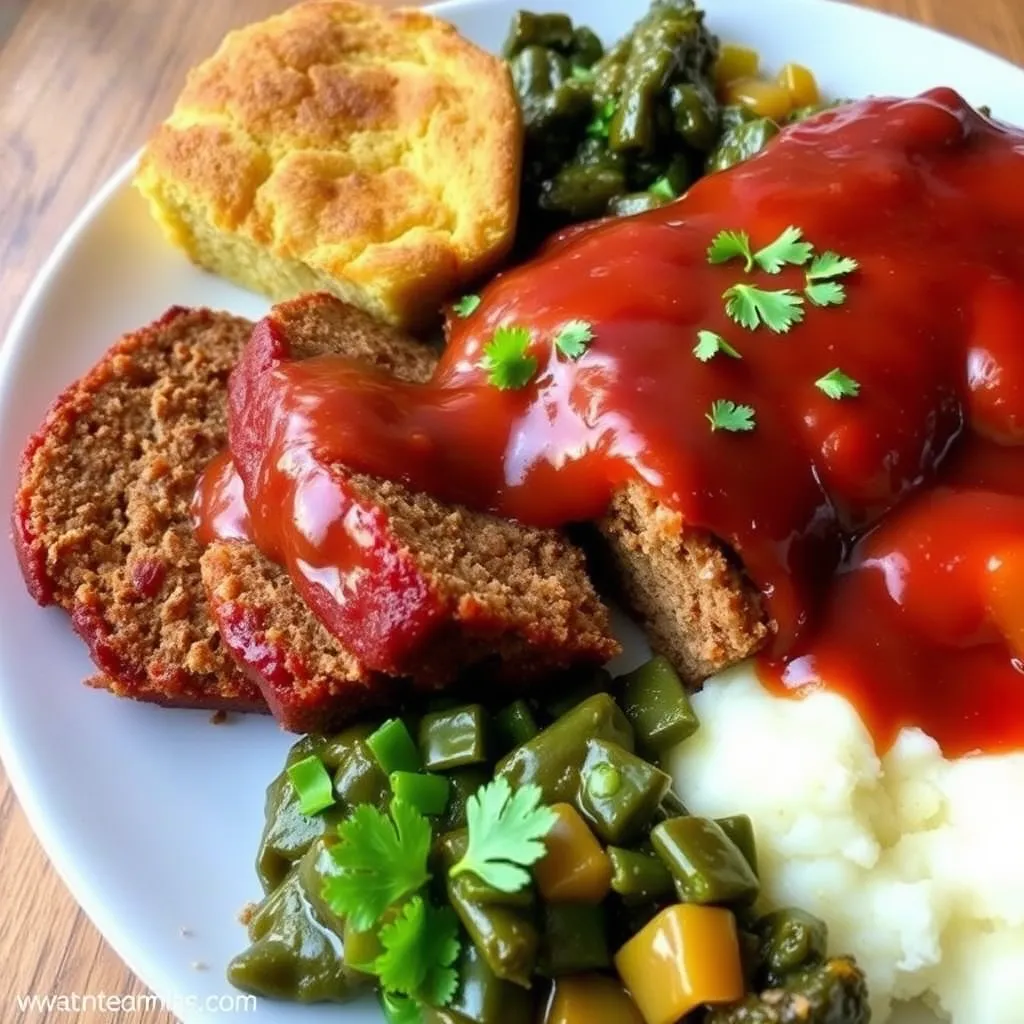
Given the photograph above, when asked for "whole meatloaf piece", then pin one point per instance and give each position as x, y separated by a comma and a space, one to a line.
516, 598
101, 517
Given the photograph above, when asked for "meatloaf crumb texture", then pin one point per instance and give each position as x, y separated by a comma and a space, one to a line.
101, 514
518, 594
700, 610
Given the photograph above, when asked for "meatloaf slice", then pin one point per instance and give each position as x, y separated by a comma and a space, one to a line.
700, 610
101, 515
517, 595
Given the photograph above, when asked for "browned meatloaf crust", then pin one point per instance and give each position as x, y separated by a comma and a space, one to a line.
700, 610
101, 515
518, 594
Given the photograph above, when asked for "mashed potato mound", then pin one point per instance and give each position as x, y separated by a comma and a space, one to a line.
915, 862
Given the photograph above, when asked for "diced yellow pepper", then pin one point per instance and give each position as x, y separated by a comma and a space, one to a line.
590, 999
686, 956
801, 85
575, 869
735, 62
766, 99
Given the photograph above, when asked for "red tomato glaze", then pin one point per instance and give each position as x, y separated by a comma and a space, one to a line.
886, 531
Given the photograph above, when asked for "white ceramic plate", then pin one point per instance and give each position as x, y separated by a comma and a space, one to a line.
152, 817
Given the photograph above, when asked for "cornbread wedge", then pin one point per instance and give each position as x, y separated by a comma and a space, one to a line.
342, 147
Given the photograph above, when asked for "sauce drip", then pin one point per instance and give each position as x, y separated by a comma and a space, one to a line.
885, 531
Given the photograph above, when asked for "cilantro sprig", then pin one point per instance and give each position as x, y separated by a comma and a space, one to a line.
466, 306
709, 344
507, 359
751, 306
420, 946
574, 338
838, 385
787, 250
506, 832
727, 415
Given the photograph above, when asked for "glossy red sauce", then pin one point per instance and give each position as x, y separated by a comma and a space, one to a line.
914, 623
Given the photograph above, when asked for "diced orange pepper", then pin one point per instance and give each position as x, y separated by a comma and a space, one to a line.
686, 956
801, 85
1006, 598
590, 999
766, 99
575, 869
735, 62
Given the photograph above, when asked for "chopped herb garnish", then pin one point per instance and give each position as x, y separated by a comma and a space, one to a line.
420, 946
506, 833
709, 344
830, 264
663, 189
598, 128
312, 785
825, 293
786, 250
506, 359
380, 860
726, 415
582, 73
400, 1009
574, 338
730, 245
837, 385
750, 306
466, 306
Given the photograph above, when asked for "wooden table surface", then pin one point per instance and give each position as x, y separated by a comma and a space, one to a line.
81, 82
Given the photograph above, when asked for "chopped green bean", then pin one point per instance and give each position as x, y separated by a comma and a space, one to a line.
791, 939
393, 747
515, 725
454, 738
574, 939
312, 784
657, 705
638, 876
623, 815
464, 784
708, 867
740, 829
595, 682
427, 793
482, 997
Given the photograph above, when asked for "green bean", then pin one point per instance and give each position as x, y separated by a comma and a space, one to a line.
599, 681
634, 202
830, 993
293, 954
550, 30
361, 948
514, 725
619, 814
741, 143
426, 792
655, 701
740, 829
733, 116
393, 747
464, 783
707, 865
454, 738
484, 998
504, 935
553, 758
790, 939
358, 778
574, 939
586, 47
314, 868
694, 114
638, 876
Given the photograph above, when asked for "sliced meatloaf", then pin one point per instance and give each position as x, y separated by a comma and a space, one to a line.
517, 595
101, 515
700, 610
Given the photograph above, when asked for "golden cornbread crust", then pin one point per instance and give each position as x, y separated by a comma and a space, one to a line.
339, 146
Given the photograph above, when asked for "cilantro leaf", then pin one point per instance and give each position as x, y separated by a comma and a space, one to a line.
750, 306
787, 249
420, 945
466, 306
663, 189
574, 338
837, 385
507, 360
709, 344
730, 245
726, 415
830, 264
400, 1009
598, 128
506, 830
825, 293
379, 861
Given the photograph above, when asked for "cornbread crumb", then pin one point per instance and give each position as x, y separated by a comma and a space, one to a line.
344, 147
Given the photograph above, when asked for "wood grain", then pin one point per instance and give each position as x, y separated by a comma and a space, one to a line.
81, 82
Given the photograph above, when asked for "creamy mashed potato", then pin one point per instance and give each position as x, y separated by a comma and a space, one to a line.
915, 862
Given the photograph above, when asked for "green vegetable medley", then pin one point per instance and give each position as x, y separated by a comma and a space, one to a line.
500, 866
623, 130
